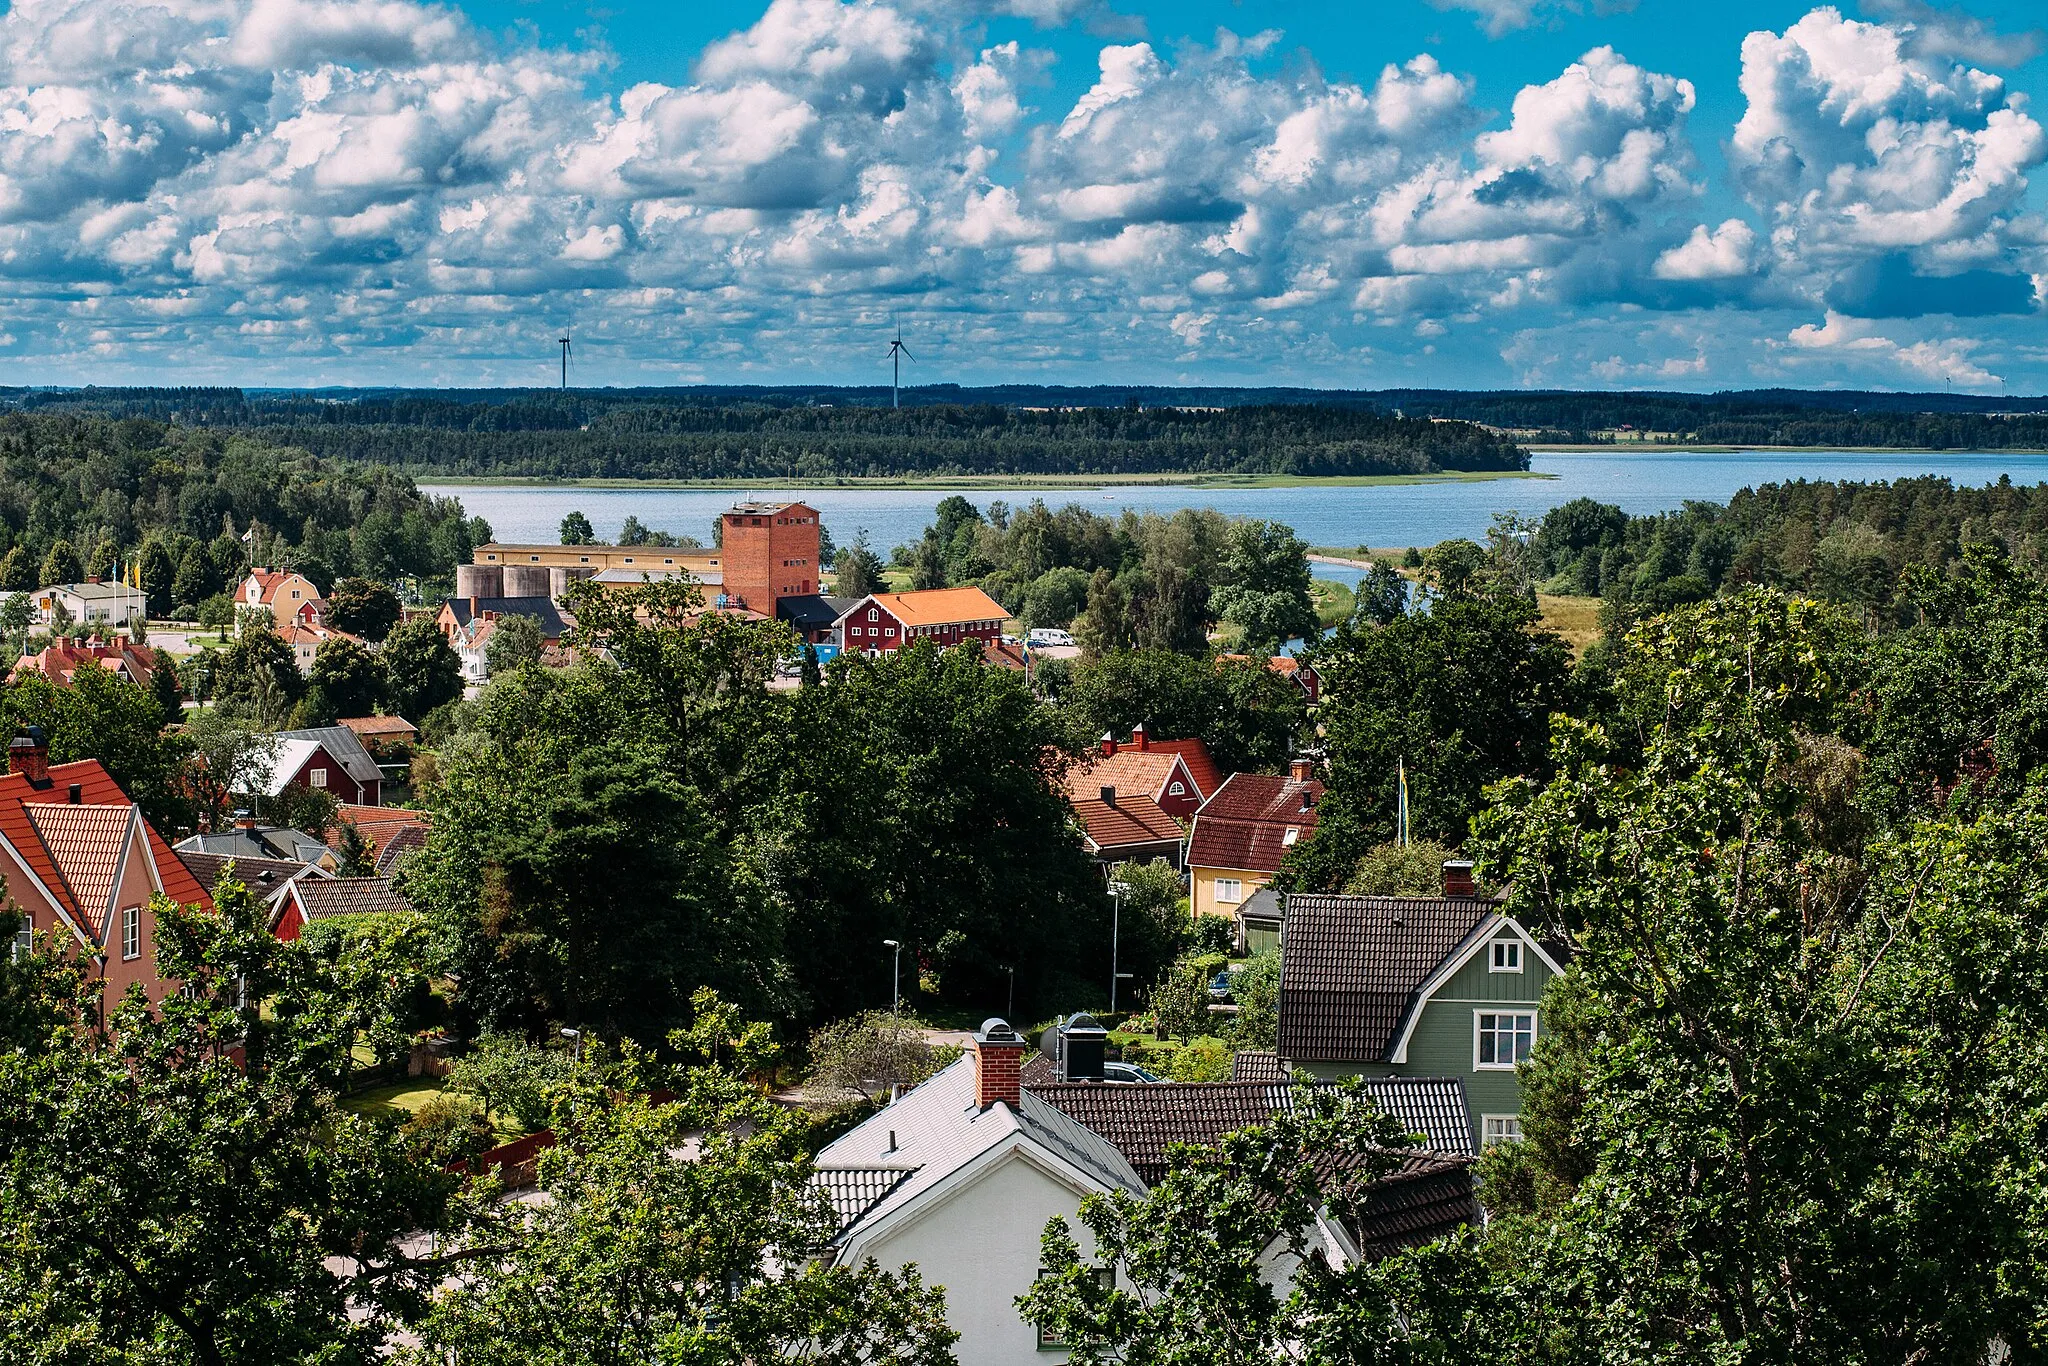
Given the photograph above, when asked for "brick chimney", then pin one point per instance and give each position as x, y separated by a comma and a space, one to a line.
998, 1064
29, 756
1301, 769
1108, 744
1458, 878
1139, 739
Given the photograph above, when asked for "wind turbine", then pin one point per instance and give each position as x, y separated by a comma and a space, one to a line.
563, 342
897, 351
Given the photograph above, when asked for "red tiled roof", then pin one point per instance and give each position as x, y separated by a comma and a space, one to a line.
96, 788
1201, 766
1133, 820
1245, 824
61, 659
378, 726
380, 826
86, 843
1129, 771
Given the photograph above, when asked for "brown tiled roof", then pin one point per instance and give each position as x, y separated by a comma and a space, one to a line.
379, 727
1257, 1066
1245, 824
405, 841
382, 827
261, 875
1426, 1198
1351, 967
1145, 1121
1127, 770
1133, 820
321, 898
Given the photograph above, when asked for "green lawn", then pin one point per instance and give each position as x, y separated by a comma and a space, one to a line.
400, 1098
1333, 601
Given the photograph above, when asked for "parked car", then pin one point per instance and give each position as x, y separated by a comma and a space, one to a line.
1046, 635
1127, 1074
1219, 987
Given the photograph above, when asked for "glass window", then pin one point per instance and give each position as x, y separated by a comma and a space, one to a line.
1507, 955
1500, 1129
319, 777
1293, 834
24, 943
1504, 1038
1229, 890
131, 932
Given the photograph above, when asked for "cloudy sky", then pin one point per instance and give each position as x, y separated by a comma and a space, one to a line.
1366, 193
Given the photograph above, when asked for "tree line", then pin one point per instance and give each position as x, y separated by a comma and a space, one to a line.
190, 509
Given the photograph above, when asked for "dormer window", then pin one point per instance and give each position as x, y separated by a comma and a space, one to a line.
1293, 834
1507, 955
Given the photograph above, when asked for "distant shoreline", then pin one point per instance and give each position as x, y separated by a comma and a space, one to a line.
1668, 448
994, 483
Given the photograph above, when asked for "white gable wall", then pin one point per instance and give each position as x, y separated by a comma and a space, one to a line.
979, 1239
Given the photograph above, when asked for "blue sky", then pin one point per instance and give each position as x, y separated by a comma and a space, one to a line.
1469, 193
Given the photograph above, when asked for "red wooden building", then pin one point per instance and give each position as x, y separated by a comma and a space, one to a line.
883, 622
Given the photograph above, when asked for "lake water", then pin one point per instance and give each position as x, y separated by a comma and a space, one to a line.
1387, 515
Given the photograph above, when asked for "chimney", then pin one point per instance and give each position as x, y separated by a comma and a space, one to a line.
1108, 795
244, 821
1082, 1042
74, 792
998, 1064
1301, 769
1108, 744
1458, 878
1139, 738
472, 607
30, 757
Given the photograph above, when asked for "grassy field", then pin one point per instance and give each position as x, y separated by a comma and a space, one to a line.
997, 483
1333, 601
402, 1099
1576, 619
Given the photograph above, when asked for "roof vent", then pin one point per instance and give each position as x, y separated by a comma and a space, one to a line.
74, 792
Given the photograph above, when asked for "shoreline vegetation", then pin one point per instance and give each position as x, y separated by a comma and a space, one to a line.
992, 483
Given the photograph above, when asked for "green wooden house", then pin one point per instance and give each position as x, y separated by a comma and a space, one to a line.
1444, 986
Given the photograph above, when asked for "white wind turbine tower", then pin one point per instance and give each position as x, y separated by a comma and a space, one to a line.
897, 351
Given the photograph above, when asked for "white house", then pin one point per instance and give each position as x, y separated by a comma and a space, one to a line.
105, 606
960, 1177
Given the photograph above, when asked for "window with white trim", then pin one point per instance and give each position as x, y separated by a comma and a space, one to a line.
1507, 955
24, 944
319, 777
1501, 1038
1229, 890
131, 932
1499, 1129
1293, 833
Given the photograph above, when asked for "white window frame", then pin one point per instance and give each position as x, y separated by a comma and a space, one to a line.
318, 777
1499, 1129
1293, 833
1236, 893
22, 943
1505, 956
1535, 1032
131, 933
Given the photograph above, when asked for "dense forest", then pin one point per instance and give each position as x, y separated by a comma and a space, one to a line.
822, 430
1842, 542
193, 507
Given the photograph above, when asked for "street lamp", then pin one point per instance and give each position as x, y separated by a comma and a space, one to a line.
895, 977
575, 1038
1116, 919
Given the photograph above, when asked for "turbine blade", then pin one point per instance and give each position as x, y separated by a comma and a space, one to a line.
906, 351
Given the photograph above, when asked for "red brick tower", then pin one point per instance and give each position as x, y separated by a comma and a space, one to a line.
770, 552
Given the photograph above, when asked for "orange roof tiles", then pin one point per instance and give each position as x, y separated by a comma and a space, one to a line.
1133, 820
86, 843
1129, 771
941, 606
96, 788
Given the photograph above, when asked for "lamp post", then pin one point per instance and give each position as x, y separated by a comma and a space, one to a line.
1116, 922
575, 1038
895, 977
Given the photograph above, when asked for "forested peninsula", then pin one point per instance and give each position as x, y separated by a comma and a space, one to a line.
681, 435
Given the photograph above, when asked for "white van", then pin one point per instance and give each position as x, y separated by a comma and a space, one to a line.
1046, 635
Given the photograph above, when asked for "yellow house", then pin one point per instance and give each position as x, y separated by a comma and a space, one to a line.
290, 597
1244, 830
